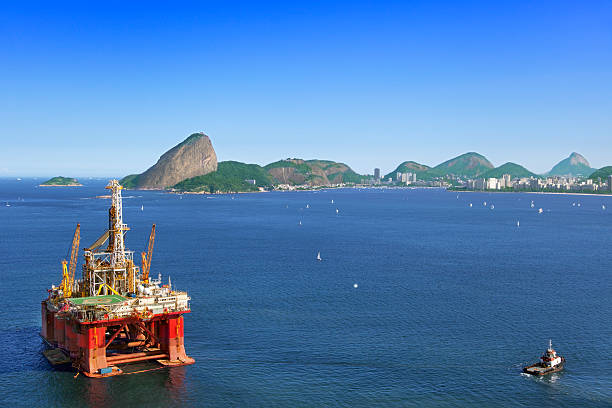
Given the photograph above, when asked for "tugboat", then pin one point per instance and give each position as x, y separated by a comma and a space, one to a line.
551, 363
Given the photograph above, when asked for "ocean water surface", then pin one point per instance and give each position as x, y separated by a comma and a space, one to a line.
451, 300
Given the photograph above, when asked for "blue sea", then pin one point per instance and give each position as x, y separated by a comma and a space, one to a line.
419, 301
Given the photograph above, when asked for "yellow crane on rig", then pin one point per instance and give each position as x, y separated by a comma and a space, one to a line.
146, 257
68, 271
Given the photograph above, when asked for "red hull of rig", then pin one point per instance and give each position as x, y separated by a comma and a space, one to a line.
91, 345
114, 315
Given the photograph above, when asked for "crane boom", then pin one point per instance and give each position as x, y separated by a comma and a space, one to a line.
68, 271
146, 257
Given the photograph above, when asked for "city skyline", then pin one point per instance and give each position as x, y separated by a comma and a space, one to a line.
91, 90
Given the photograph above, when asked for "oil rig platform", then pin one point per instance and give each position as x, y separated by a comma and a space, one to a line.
115, 314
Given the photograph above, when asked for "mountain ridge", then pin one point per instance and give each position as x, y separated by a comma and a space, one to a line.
601, 173
314, 172
409, 166
574, 165
470, 164
513, 169
195, 157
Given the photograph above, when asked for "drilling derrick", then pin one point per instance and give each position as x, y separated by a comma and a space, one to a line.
111, 271
115, 315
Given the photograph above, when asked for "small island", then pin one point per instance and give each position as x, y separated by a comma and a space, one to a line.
61, 182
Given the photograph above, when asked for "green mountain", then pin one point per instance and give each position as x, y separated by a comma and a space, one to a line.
602, 173
230, 177
409, 167
469, 164
574, 165
513, 169
61, 181
130, 181
311, 172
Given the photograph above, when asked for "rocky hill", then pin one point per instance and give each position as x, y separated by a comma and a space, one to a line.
469, 165
193, 157
311, 172
574, 165
513, 169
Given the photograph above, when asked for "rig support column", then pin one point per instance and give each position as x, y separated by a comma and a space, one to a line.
48, 323
171, 333
92, 341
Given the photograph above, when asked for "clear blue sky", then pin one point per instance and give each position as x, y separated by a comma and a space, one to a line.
105, 89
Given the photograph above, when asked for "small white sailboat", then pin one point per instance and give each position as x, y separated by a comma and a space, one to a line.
540, 211
319, 256
573, 204
532, 204
337, 211
578, 204
7, 204
470, 205
518, 223
492, 206
484, 203
332, 201
307, 205
142, 208
300, 223
603, 207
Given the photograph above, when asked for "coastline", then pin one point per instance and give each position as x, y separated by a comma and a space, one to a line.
532, 192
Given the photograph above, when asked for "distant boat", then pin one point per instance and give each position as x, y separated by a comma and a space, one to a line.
578, 204
300, 223
603, 207
518, 223
18, 179
470, 204
142, 208
332, 201
492, 207
484, 203
532, 204
550, 362
319, 256
540, 211
337, 211
573, 204
307, 205
7, 204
